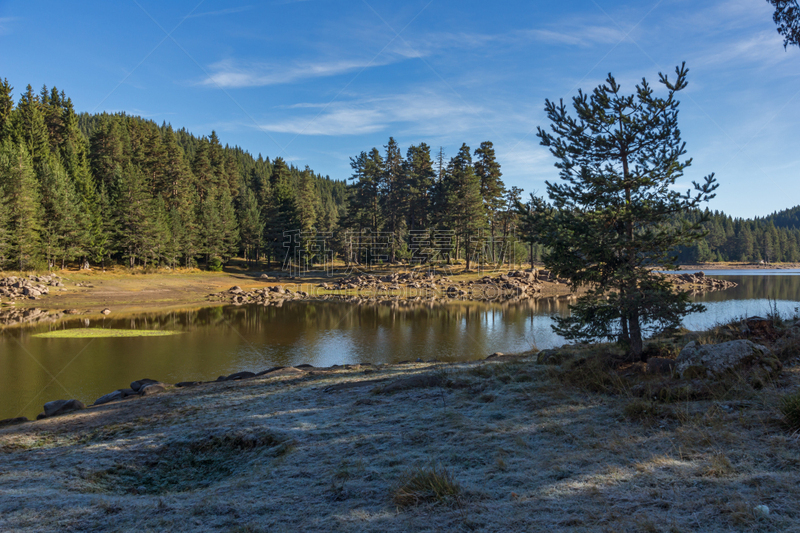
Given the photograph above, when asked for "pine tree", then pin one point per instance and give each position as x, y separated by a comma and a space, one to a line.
251, 224
611, 218
18, 183
62, 232
464, 205
30, 127
6, 111
394, 196
420, 177
228, 233
5, 234
492, 188
133, 213
787, 17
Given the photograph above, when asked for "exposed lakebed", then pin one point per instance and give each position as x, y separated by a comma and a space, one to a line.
222, 340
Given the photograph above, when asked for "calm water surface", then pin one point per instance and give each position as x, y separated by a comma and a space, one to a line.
222, 340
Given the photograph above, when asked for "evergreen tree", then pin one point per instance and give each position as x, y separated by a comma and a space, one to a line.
30, 127
251, 224
420, 177
492, 188
394, 196
134, 215
787, 17
465, 213
6, 110
610, 221
18, 183
63, 234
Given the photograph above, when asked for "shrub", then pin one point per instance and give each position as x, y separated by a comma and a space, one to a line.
426, 485
215, 264
790, 408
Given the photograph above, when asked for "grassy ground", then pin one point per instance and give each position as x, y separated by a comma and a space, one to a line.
501, 445
101, 333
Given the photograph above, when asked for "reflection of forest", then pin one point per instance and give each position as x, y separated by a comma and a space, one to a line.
222, 340
323, 315
756, 287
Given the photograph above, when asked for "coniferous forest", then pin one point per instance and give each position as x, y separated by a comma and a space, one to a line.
117, 189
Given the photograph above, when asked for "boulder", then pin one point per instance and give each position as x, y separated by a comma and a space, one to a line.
138, 384
106, 311
187, 384
155, 388
110, 397
660, 365
12, 421
706, 360
237, 375
270, 370
61, 407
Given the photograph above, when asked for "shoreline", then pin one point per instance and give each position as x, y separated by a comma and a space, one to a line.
87, 294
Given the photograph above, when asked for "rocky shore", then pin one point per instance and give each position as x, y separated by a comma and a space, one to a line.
516, 285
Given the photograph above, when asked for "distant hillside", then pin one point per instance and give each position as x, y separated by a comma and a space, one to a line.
788, 218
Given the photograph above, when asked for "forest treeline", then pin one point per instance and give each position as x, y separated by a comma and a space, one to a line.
117, 188
113, 188
772, 239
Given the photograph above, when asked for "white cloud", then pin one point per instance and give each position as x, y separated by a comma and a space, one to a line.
428, 112
586, 36
763, 48
5, 23
229, 11
230, 73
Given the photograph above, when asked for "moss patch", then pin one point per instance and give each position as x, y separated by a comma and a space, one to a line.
98, 333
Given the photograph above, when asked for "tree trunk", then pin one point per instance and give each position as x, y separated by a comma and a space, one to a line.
636, 337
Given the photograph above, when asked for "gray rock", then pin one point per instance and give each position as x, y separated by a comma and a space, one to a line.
138, 384
61, 407
110, 397
106, 311
155, 388
238, 375
12, 421
701, 360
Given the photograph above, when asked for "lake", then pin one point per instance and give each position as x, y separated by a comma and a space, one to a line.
223, 340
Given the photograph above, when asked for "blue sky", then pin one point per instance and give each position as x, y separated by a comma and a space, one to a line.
318, 81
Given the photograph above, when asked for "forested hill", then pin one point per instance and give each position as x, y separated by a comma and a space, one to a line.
121, 189
772, 239
788, 218
99, 187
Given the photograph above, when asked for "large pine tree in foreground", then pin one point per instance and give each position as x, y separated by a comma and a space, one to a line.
612, 216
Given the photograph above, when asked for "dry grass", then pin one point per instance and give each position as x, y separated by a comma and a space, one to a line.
790, 409
426, 485
494, 446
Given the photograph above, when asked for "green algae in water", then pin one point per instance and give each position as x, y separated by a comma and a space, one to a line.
99, 333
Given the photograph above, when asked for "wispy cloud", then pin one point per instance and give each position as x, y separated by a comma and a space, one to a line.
585, 35
230, 73
5, 23
763, 48
229, 11
426, 113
